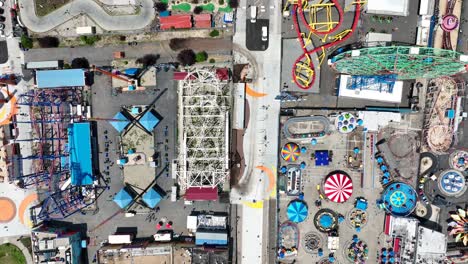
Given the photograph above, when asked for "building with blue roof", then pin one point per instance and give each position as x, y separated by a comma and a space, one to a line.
81, 159
152, 198
149, 121
321, 158
120, 122
60, 78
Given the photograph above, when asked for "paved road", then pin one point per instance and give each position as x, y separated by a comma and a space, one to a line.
91, 9
102, 56
260, 143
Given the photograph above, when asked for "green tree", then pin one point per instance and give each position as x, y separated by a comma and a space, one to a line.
201, 56
89, 40
197, 10
221, 2
212, 60
27, 42
214, 33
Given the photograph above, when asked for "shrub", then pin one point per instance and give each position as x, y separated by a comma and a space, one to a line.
214, 33
212, 60
201, 56
66, 66
48, 42
89, 40
186, 57
176, 43
160, 6
27, 42
221, 2
148, 60
233, 3
80, 63
198, 10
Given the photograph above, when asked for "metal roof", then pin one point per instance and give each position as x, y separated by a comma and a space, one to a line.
60, 78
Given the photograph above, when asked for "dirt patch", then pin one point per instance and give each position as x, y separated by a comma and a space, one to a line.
44, 7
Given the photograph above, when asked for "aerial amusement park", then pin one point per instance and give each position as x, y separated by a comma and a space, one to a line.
345, 173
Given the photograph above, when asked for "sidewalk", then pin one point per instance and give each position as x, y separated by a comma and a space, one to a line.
14, 241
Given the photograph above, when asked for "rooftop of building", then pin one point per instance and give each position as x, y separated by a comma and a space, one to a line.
60, 78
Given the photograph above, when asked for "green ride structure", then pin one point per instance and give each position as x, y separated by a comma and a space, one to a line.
407, 62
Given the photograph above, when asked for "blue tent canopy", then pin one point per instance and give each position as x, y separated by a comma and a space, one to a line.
131, 71
152, 198
120, 125
123, 198
149, 121
297, 211
361, 205
321, 158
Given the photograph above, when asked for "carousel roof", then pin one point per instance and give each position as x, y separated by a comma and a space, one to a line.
338, 187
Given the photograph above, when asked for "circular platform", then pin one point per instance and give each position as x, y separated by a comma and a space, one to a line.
399, 199
452, 183
458, 160
449, 22
357, 251
346, 122
312, 242
325, 220
7, 209
290, 152
357, 218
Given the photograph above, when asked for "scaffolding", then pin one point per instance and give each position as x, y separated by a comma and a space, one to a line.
204, 103
381, 83
50, 112
406, 62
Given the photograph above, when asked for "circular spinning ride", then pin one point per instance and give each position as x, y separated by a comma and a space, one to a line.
405, 61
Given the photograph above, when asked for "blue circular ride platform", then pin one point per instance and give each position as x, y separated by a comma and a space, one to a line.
399, 199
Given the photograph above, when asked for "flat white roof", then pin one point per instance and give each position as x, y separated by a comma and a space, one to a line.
388, 7
394, 97
431, 242
372, 121
191, 222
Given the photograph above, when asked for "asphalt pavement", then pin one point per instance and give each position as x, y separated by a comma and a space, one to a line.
90, 8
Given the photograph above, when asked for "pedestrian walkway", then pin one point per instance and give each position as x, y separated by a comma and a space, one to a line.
92, 9
15, 241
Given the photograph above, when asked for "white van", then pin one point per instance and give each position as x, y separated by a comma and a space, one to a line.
253, 14
264, 33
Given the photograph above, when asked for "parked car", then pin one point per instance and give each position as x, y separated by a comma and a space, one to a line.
2, 18
2, 11
2, 26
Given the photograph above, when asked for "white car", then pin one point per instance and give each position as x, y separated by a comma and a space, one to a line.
253, 14
264, 33
2, 4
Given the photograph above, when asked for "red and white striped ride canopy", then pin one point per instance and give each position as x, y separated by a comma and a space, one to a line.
338, 187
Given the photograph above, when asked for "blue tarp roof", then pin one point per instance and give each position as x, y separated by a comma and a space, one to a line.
152, 198
120, 125
321, 158
79, 146
149, 121
131, 71
123, 198
361, 205
60, 78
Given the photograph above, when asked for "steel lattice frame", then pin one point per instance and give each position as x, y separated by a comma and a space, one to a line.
405, 61
203, 122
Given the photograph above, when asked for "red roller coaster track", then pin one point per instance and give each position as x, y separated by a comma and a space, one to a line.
298, 9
